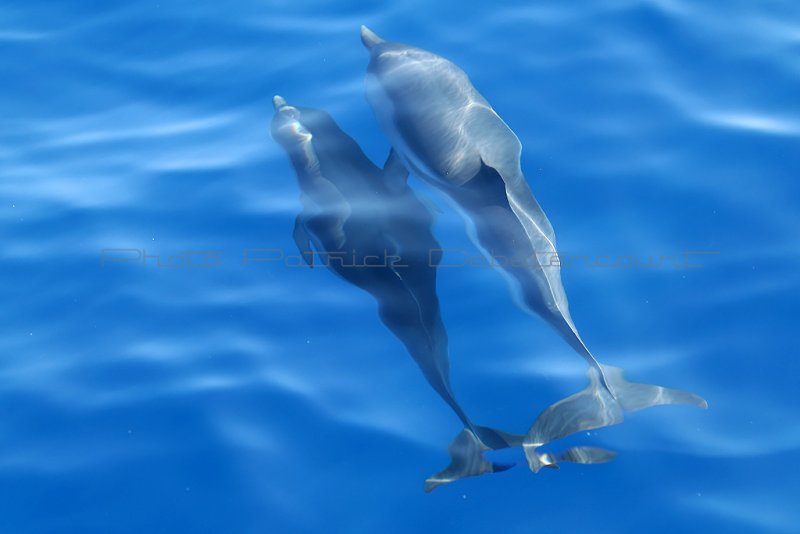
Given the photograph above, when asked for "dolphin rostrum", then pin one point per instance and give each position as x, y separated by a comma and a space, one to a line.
370, 229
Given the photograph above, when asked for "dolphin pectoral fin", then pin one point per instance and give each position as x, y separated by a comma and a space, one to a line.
329, 225
633, 396
337, 231
395, 174
586, 455
303, 240
466, 460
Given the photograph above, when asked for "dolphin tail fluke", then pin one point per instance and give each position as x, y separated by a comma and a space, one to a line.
497, 439
601, 374
595, 407
586, 455
466, 460
576, 455
369, 38
633, 396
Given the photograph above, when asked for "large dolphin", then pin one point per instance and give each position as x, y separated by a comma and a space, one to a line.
446, 133
370, 229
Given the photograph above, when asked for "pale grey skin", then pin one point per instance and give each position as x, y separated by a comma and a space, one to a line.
352, 207
447, 134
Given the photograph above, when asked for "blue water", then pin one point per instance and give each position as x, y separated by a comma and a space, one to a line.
252, 398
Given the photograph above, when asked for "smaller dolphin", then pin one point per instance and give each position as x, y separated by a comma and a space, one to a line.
369, 216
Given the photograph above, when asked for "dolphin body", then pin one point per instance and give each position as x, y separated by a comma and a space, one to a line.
370, 229
447, 134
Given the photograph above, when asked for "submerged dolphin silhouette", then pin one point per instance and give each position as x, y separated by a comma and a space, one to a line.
446, 133
353, 209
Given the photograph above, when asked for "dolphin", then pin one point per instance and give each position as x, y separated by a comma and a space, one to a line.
370, 229
447, 134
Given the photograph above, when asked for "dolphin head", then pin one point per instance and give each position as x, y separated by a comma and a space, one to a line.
387, 56
293, 126
287, 127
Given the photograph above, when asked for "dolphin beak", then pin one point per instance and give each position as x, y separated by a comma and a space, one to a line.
369, 38
278, 102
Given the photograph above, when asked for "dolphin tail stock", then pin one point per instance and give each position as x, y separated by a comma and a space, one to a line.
633, 396
563, 324
497, 439
597, 366
567, 329
488, 438
466, 460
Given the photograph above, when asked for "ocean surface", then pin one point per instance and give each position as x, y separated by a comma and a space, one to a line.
226, 396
